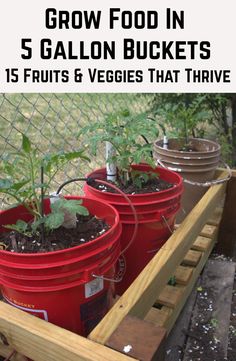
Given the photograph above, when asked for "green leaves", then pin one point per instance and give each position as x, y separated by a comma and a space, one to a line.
59, 210
59, 159
20, 226
73, 206
22, 181
125, 131
139, 178
26, 144
54, 220
183, 114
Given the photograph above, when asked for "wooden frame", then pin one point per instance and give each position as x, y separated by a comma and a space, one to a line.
42, 341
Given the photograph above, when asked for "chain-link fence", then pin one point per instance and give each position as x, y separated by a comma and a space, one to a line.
52, 122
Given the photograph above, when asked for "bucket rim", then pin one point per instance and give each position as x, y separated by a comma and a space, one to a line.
191, 164
139, 195
182, 152
67, 250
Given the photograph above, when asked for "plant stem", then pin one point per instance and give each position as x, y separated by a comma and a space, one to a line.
33, 183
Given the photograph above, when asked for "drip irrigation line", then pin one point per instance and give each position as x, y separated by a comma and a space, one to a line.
90, 182
71, 181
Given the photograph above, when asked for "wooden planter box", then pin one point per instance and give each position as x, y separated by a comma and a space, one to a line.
136, 327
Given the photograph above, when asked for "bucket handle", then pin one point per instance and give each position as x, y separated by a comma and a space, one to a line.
117, 278
202, 184
164, 219
132, 208
119, 272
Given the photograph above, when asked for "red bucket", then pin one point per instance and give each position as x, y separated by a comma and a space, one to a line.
61, 286
156, 214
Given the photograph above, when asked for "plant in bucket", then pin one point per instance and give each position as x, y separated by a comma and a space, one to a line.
153, 192
195, 159
57, 255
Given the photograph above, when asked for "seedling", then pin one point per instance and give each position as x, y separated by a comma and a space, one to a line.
214, 322
124, 130
185, 113
28, 176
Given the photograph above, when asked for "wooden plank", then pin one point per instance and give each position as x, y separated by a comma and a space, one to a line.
141, 295
176, 340
128, 338
183, 274
208, 231
5, 351
192, 258
188, 289
170, 296
40, 340
227, 231
158, 316
220, 170
216, 217
201, 243
212, 311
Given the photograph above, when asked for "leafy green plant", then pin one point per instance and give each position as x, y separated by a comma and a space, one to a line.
214, 322
124, 130
28, 177
183, 114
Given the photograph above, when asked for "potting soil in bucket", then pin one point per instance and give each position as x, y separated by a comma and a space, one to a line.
60, 286
197, 166
156, 214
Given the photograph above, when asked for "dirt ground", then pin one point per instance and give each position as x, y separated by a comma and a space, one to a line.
206, 328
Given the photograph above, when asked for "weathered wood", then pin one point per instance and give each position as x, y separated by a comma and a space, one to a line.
215, 219
167, 318
170, 296
212, 311
227, 231
201, 243
40, 340
140, 297
183, 274
187, 289
208, 231
175, 342
192, 258
128, 339
158, 316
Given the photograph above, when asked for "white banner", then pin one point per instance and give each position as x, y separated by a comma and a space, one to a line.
117, 46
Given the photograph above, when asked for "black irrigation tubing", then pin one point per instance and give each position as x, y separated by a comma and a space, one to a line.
71, 181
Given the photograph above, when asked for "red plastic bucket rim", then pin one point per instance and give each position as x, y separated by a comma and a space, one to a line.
102, 171
67, 250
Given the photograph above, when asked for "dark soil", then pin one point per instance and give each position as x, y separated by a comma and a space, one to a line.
232, 328
87, 229
204, 344
151, 186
